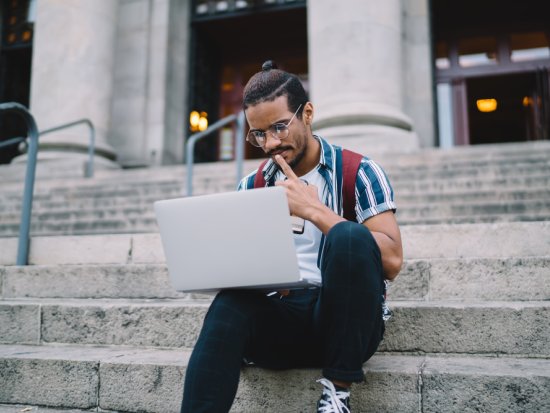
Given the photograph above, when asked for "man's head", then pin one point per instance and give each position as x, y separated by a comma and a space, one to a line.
270, 83
280, 116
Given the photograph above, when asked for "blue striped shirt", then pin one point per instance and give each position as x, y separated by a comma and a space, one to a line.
373, 192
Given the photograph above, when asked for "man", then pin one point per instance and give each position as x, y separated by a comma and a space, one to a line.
336, 327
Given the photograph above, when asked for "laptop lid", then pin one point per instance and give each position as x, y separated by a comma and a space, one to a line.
229, 240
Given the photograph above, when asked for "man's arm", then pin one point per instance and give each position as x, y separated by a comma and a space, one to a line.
304, 202
386, 232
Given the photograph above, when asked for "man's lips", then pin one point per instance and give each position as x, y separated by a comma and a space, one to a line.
278, 151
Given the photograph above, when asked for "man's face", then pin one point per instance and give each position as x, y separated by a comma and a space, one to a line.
265, 114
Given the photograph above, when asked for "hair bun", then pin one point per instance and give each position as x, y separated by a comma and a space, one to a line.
268, 65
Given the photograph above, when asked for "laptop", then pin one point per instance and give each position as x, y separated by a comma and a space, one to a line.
230, 240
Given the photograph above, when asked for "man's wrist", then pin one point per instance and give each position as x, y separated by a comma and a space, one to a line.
324, 218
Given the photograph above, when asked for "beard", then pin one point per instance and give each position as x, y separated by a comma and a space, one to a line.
299, 155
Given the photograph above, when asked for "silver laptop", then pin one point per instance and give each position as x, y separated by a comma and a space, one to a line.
230, 240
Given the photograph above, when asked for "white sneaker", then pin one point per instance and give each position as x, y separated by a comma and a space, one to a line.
332, 401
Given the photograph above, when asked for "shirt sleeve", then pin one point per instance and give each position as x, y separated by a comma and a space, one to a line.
247, 182
373, 191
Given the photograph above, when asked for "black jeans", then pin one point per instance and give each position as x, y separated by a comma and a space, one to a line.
337, 327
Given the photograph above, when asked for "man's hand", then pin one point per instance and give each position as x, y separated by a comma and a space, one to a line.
303, 200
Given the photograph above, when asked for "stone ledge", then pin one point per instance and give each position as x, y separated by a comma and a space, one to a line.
133, 379
424, 279
490, 240
430, 327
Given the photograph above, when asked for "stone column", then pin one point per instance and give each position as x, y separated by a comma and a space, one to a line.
72, 75
355, 67
150, 76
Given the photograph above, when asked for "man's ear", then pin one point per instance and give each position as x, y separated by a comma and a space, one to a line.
307, 113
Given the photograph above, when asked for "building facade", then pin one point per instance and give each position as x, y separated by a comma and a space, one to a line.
383, 75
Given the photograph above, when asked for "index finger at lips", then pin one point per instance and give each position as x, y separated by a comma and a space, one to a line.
287, 170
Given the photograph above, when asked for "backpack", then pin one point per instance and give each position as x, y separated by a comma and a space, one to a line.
350, 166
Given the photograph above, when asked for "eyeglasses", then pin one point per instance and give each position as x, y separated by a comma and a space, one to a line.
279, 131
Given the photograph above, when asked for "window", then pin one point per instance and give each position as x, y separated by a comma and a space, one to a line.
442, 55
476, 51
529, 46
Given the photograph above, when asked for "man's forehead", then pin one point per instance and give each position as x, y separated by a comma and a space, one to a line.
268, 112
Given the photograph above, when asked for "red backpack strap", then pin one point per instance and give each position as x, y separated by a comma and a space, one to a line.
259, 181
350, 165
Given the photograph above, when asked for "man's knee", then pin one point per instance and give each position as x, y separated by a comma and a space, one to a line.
351, 255
351, 236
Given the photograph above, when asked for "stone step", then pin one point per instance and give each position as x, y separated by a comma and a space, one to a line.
470, 185
19, 408
499, 240
503, 195
475, 208
475, 219
477, 156
419, 188
407, 193
443, 209
11, 209
148, 224
224, 175
507, 279
84, 227
486, 152
151, 381
427, 164
503, 327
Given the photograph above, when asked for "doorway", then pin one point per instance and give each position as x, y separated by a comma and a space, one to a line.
228, 48
492, 63
516, 108
16, 35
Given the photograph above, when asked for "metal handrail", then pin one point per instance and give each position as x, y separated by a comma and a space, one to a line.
12, 141
24, 228
239, 146
89, 173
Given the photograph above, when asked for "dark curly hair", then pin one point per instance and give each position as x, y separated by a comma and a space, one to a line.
270, 83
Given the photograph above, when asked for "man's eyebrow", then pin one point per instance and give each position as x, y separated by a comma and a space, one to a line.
280, 121
284, 121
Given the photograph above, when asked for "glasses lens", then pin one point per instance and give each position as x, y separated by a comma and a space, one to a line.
279, 130
255, 139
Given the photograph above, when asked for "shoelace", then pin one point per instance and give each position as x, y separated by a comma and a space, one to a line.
332, 401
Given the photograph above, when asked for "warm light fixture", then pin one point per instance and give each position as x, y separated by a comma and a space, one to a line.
198, 121
194, 119
203, 121
486, 105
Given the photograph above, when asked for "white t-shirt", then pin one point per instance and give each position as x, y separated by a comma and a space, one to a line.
307, 244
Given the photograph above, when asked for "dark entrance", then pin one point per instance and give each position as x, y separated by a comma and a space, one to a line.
230, 41
521, 111
492, 62
15, 67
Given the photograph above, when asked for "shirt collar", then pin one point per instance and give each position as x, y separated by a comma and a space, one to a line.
326, 160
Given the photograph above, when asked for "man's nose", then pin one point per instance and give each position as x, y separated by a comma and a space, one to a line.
271, 142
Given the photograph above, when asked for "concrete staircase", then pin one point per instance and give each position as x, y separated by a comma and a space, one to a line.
94, 325
477, 184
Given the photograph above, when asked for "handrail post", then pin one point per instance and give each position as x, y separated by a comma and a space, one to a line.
189, 159
239, 145
91, 149
190, 148
24, 228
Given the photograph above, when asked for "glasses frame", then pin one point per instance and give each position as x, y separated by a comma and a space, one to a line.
263, 134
